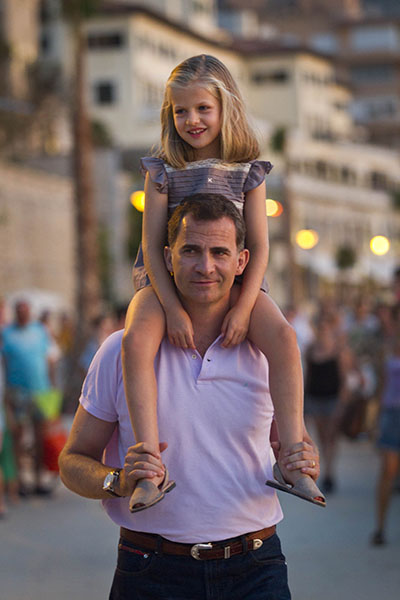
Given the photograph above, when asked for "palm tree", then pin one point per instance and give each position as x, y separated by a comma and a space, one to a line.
88, 282
278, 144
88, 296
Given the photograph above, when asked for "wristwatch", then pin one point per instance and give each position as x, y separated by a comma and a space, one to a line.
110, 481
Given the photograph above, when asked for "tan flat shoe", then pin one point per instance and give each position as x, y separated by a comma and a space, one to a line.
304, 488
147, 494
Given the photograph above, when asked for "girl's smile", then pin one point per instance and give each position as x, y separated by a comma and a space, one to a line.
197, 119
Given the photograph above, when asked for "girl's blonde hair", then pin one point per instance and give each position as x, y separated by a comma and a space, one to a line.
238, 142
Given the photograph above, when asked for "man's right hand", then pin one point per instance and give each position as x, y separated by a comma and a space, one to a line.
141, 461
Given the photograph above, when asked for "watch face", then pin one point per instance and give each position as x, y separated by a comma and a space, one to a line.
109, 480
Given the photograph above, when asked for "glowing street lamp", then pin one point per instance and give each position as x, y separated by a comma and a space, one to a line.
274, 208
137, 200
307, 238
379, 245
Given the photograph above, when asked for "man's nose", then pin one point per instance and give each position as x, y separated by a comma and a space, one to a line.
205, 264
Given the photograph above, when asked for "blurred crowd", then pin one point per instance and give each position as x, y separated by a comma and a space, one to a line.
351, 361
36, 358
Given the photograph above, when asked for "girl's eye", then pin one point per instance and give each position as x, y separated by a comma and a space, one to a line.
178, 111
203, 108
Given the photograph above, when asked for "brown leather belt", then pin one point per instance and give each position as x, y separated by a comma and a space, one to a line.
206, 551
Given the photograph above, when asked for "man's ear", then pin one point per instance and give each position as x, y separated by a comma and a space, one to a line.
167, 258
243, 259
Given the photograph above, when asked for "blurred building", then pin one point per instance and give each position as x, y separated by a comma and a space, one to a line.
334, 183
369, 49
36, 233
362, 37
19, 34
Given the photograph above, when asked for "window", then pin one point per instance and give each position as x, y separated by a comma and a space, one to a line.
325, 42
321, 168
374, 108
45, 43
348, 176
375, 38
373, 73
104, 93
270, 77
105, 41
378, 181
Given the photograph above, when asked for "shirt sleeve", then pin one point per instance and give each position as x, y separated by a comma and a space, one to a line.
100, 388
258, 170
155, 167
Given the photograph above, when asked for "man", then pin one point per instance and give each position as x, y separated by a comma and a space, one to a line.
215, 534
25, 349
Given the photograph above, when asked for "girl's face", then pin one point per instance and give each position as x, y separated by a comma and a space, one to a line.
198, 118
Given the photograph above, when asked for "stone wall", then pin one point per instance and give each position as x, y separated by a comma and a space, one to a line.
36, 233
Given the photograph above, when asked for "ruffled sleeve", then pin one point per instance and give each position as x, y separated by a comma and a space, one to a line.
155, 167
258, 170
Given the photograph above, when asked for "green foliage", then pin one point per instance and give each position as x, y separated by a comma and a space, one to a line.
396, 200
5, 50
75, 10
278, 140
44, 80
101, 137
346, 257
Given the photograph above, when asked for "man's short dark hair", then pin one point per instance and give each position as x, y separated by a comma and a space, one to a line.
206, 207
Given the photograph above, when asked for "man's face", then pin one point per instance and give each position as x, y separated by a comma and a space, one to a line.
205, 260
23, 313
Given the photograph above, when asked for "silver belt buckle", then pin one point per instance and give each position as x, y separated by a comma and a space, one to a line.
194, 550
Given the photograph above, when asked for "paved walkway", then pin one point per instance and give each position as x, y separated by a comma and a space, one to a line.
65, 547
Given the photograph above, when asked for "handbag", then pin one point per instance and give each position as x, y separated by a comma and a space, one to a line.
49, 403
352, 420
54, 440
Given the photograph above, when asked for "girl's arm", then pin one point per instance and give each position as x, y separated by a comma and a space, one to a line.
236, 322
155, 218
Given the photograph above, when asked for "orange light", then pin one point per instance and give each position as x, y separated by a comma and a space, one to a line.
379, 245
307, 238
137, 200
274, 208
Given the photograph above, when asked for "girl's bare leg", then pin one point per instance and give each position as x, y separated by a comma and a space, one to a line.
2, 496
276, 339
144, 331
327, 434
390, 462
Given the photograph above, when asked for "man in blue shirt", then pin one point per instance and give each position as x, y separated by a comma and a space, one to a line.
25, 349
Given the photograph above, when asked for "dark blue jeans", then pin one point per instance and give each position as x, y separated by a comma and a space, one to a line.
144, 575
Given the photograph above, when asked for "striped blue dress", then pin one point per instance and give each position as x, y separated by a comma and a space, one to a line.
232, 180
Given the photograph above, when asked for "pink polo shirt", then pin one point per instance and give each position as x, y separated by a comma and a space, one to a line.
215, 413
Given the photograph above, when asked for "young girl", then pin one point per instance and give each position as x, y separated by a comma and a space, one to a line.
207, 146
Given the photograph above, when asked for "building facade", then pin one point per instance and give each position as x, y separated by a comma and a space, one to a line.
339, 187
37, 236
